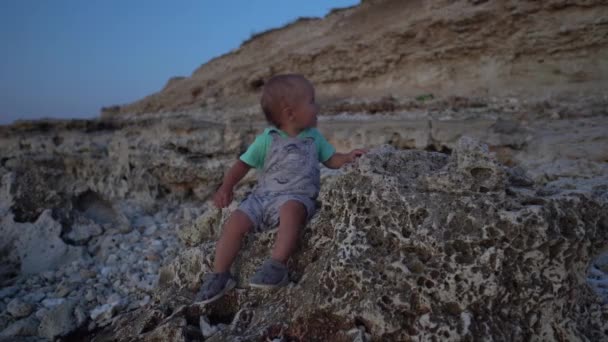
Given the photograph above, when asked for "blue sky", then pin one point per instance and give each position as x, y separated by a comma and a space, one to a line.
68, 58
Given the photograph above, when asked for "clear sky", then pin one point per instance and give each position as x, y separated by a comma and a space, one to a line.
69, 58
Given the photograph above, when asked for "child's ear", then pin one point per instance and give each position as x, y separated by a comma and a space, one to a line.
288, 113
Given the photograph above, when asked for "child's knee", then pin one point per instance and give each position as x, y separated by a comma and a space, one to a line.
239, 223
293, 208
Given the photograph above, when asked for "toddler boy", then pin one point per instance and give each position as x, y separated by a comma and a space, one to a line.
288, 154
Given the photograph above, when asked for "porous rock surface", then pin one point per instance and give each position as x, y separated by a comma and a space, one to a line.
408, 245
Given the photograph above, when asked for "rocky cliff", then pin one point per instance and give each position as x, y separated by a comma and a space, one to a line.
524, 49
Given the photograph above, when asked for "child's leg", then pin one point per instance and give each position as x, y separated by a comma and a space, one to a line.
229, 244
292, 216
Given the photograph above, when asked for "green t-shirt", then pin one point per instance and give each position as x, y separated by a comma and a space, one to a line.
256, 153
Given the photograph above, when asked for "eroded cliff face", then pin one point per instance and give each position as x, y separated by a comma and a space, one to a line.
523, 49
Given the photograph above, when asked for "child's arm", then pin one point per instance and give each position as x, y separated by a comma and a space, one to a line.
338, 159
223, 195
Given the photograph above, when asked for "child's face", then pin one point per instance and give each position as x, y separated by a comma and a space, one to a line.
305, 109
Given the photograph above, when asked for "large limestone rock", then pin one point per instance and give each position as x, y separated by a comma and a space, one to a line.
394, 256
58, 321
38, 246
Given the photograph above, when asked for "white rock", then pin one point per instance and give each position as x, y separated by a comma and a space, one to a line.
133, 237
107, 270
143, 221
150, 230
100, 310
48, 275
34, 297
40, 313
58, 321
84, 232
112, 259
52, 302
89, 295
40, 247
113, 298
106, 311
17, 308
145, 301
80, 315
24, 327
8, 291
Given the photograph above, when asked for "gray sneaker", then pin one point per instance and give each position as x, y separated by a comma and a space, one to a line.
214, 286
271, 275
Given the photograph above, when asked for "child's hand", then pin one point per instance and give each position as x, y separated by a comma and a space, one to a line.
222, 197
354, 154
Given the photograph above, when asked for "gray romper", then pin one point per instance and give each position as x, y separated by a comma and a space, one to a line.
291, 172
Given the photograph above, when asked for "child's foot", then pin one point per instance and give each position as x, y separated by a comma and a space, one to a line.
272, 274
214, 286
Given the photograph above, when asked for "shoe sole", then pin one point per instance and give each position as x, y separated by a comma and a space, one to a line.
282, 283
230, 284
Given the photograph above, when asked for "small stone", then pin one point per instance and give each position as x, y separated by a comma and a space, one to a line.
89, 295
40, 313
150, 230
106, 311
113, 298
157, 245
17, 308
106, 271
62, 291
144, 301
112, 259
58, 321
48, 275
34, 297
24, 327
87, 274
52, 302
133, 237
8, 291
80, 315
152, 256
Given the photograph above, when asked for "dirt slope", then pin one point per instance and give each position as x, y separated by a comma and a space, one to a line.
473, 48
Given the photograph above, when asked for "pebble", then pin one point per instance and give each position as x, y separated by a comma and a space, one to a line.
17, 308
86, 274
106, 271
41, 313
90, 295
62, 291
24, 327
113, 298
48, 275
152, 257
52, 302
112, 259
150, 230
80, 315
8, 291
34, 297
